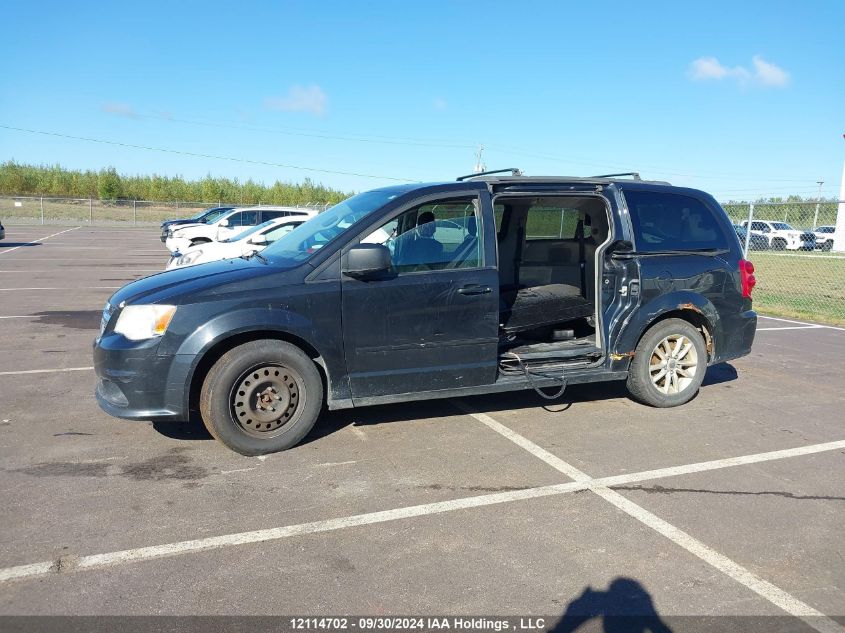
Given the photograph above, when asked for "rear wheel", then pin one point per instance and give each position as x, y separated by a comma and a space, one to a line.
261, 397
827, 245
669, 364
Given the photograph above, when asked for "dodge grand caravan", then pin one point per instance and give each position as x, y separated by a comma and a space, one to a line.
488, 284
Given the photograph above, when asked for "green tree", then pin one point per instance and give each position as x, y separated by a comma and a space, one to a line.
109, 184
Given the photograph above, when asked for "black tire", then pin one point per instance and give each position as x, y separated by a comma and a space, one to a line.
261, 397
644, 388
778, 245
200, 240
827, 246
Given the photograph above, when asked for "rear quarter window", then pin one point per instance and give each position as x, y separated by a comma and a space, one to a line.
672, 222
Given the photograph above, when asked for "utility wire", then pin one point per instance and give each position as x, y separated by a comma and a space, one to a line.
199, 155
385, 140
416, 142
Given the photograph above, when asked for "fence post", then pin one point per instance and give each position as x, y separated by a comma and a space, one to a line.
134, 213
42, 209
748, 230
816, 217
90, 211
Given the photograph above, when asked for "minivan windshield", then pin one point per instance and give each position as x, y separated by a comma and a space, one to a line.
249, 231
306, 239
214, 216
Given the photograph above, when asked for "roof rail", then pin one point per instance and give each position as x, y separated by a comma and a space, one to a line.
635, 175
513, 170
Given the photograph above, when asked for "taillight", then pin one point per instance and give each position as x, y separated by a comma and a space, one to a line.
746, 275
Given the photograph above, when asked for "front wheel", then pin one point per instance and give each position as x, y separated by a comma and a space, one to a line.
261, 397
669, 364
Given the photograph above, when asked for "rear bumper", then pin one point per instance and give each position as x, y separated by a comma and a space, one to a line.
134, 383
738, 337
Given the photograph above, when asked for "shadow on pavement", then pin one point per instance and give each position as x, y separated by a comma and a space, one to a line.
333, 421
626, 607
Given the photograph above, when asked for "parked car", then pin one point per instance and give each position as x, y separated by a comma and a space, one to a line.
241, 245
226, 225
756, 241
781, 236
2, 231
205, 217
824, 237
555, 281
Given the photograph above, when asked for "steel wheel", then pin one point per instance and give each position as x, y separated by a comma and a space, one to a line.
673, 364
265, 399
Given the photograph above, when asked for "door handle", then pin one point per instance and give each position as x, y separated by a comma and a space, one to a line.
475, 289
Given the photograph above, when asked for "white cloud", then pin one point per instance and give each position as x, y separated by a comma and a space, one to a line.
439, 104
310, 99
769, 74
764, 73
120, 109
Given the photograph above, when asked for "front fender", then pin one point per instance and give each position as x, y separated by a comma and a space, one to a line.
648, 313
287, 324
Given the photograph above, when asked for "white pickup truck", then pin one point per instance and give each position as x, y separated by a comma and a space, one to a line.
183, 236
783, 237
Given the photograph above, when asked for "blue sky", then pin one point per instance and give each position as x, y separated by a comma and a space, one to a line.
740, 99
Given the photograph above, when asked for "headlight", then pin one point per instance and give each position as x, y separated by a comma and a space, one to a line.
188, 258
141, 322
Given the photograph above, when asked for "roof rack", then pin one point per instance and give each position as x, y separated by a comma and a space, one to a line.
513, 170
633, 174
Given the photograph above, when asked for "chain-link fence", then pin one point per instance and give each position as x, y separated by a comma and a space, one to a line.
44, 210
789, 243
791, 246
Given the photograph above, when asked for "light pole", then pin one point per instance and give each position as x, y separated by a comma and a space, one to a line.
839, 231
820, 182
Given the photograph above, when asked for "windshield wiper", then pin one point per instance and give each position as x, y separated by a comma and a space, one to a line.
256, 254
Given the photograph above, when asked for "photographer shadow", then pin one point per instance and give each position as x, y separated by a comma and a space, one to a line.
626, 607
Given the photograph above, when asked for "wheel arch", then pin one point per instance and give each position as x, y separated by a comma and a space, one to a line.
212, 354
691, 307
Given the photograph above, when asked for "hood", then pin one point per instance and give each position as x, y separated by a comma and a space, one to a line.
168, 223
172, 286
188, 225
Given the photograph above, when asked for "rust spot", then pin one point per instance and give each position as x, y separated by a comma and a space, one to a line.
690, 306
622, 356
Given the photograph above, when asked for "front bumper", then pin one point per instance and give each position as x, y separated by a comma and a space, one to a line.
135, 383
177, 244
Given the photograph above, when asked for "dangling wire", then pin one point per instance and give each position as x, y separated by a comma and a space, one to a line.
530, 377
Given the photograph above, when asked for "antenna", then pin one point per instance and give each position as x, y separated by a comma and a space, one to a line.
479, 161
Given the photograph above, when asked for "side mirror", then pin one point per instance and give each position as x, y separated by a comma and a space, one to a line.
223, 223
366, 260
620, 247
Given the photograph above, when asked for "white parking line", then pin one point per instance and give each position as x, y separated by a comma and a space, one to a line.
829, 327
788, 327
583, 483
40, 239
762, 588
44, 371
67, 288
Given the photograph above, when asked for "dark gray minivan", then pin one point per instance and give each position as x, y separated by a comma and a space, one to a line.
487, 284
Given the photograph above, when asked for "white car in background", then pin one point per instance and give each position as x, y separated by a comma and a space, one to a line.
824, 237
250, 241
181, 237
782, 237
